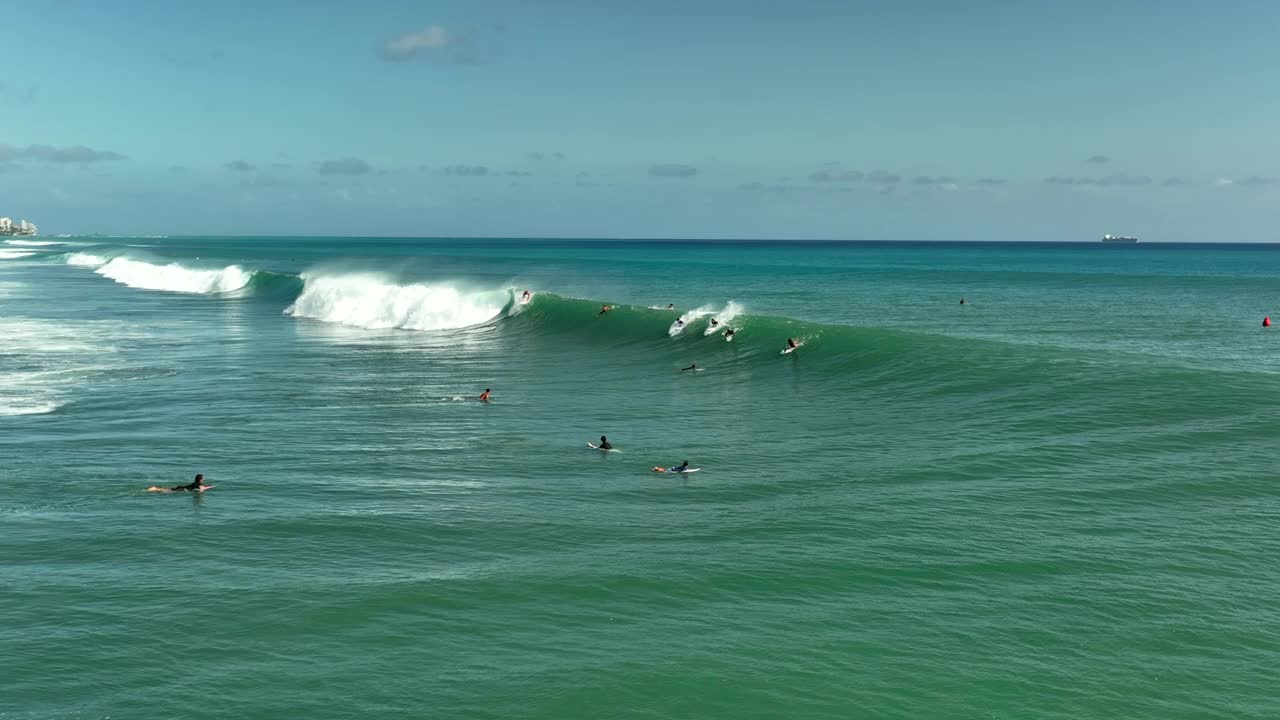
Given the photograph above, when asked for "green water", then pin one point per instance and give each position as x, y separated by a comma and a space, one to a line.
1057, 501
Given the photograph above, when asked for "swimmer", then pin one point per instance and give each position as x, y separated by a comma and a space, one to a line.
196, 486
484, 396
604, 309
693, 367
604, 443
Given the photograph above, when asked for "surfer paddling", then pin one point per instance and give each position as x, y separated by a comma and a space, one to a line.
691, 368
681, 468
604, 309
196, 485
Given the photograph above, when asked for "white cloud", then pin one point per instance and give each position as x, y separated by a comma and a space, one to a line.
415, 44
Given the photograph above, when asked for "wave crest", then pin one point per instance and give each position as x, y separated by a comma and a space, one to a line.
172, 277
86, 260
371, 301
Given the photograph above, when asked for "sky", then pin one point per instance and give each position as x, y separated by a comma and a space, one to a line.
858, 119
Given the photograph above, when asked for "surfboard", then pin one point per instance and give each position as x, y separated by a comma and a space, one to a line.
675, 471
593, 446
202, 488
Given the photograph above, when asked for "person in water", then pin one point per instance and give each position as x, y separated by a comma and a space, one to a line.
693, 367
484, 396
729, 333
671, 306
714, 322
791, 343
683, 467
526, 296
604, 309
604, 443
196, 486
963, 301
193, 486
679, 323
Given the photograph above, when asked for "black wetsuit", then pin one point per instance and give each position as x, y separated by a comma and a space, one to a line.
195, 485
605, 446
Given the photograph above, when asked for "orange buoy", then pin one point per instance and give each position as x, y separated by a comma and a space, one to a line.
1266, 321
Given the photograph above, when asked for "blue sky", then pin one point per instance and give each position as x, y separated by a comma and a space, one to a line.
994, 120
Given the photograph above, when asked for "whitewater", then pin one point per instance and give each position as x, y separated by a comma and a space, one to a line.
1058, 500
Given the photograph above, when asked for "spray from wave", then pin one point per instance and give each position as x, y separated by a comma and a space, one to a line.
86, 260
723, 318
372, 301
173, 277
6, 254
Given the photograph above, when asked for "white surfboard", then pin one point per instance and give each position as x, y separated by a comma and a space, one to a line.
593, 446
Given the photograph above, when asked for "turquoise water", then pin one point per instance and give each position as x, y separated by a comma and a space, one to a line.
1058, 501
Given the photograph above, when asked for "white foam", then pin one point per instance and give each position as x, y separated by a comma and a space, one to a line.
86, 260
724, 317
15, 254
686, 319
33, 243
174, 277
371, 301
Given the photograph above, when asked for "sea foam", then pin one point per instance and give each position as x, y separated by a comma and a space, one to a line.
372, 301
172, 277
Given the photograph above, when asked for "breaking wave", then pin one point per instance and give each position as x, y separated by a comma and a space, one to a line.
7, 254
86, 260
373, 301
172, 277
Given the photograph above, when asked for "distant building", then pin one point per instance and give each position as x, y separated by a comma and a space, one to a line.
22, 228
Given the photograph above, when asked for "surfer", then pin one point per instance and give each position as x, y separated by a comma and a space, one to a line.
791, 343
194, 486
484, 396
728, 334
604, 443
679, 323
963, 301
715, 322
693, 367
671, 306
525, 297
604, 309
683, 467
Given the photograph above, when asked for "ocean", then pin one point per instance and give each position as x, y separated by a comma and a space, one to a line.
1060, 499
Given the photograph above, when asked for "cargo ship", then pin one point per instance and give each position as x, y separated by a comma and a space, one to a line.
1119, 239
